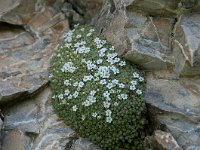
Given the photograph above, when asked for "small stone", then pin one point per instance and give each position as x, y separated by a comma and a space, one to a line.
166, 140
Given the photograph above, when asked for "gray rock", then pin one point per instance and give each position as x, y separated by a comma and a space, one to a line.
174, 105
155, 34
33, 125
26, 47
162, 141
84, 144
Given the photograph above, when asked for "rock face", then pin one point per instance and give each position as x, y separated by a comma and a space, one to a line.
28, 39
163, 38
29, 33
156, 34
32, 125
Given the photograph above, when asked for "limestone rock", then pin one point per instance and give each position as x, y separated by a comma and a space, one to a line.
27, 42
155, 34
33, 125
174, 105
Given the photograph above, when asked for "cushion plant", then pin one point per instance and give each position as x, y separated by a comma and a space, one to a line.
96, 92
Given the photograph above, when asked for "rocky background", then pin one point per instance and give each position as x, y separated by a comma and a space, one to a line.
163, 37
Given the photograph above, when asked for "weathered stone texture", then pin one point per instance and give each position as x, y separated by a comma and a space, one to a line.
163, 38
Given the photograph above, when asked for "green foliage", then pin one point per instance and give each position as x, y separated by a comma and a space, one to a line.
97, 92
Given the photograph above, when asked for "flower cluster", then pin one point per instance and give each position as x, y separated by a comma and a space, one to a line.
97, 92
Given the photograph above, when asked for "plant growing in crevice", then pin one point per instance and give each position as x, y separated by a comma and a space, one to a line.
96, 92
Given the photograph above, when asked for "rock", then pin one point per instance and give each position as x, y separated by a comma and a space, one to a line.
83, 144
166, 140
174, 105
187, 42
28, 40
87, 8
33, 125
15, 140
161, 140
155, 34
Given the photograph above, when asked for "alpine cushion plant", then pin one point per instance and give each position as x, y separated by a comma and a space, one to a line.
96, 92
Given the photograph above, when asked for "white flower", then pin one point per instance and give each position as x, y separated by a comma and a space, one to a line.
60, 96
115, 81
121, 85
102, 82
136, 75
76, 84
83, 117
78, 36
74, 108
101, 54
94, 114
83, 29
66, 82
111, 58
106, 104
139, 92
99, 61
92, 93
90, 65
114, 69
87, 78
103, 50
68, 67
92, 30
141, 79
108, 112
106, 94
92, 99
109, 85
123, 96
132, 87
104, 72
78, 44
67, 92
98, 117
81, 50
89, 34
112, 91
70, 96
76, 94
86, 103
116, 103
122, 63
81, 84
109, 119
108, 98
134, 82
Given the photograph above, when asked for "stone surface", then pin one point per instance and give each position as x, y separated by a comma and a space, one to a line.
161, 140
166, 140
84, 144
26, 46
174, 105
86, 8
33, 125
155, 34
